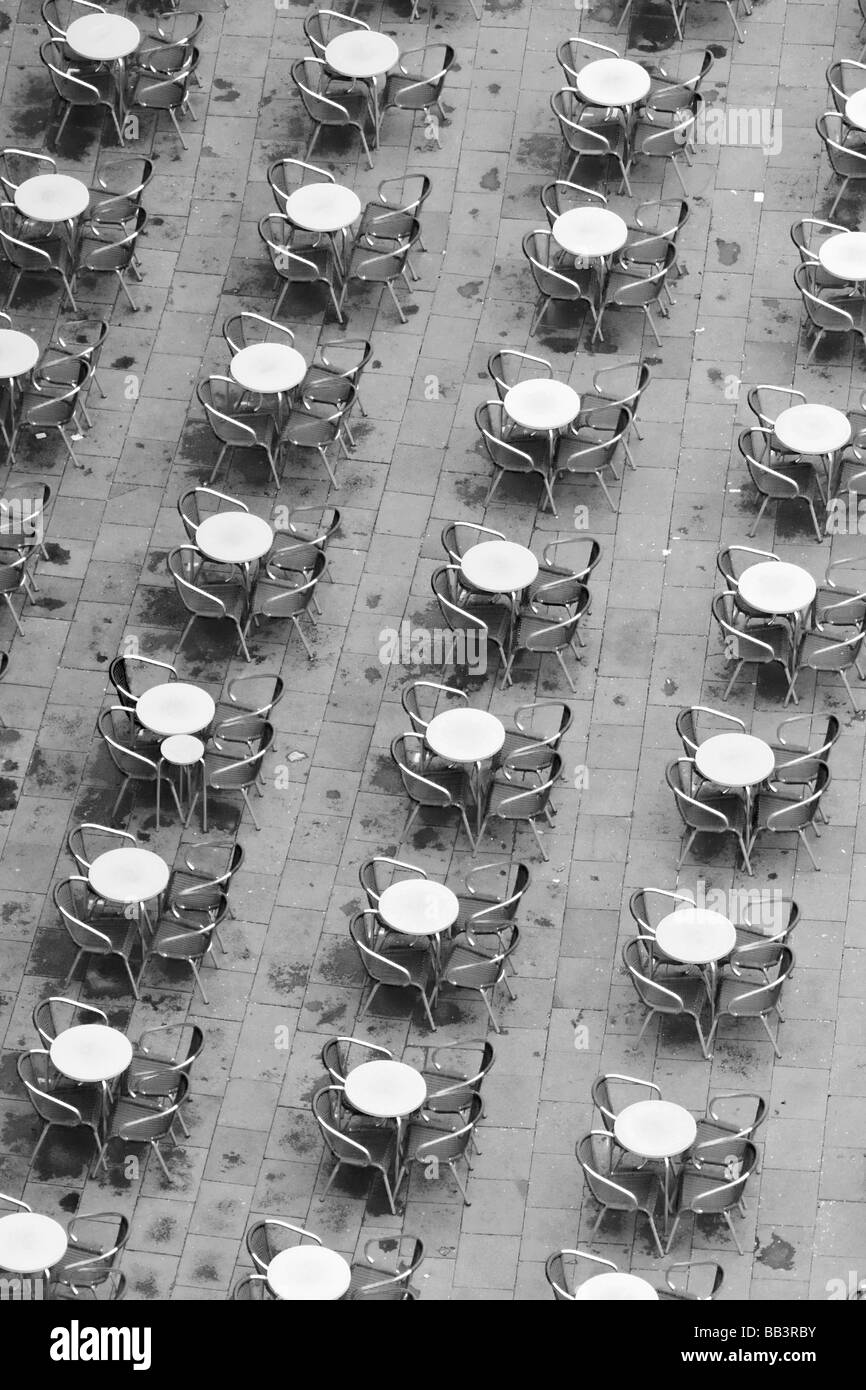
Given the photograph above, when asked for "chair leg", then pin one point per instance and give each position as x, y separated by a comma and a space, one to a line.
249, 807
178, 129
773, 1040
805, 843
571, 684
198, 978
737, 669
455, 1175
425, 1001
132, 980
672, 1234
652, 1225
727, 1214
686, 847
125, 288
155, 1146
756, 523
244, 647
390, 289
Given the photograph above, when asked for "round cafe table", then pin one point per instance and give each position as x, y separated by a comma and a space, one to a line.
467, 737
234, 538
814, 429
419, 907
844, 254
656, 1129
30, 1243
387, 1091
855, 109
53, 198
615, 1288
776, 587
498, 567
269, 369
91, 1052
19, 353
697, 936
544, 406
738, 761
129, 876
103, 38
590, 234
364, 54
613, 82
175, 708
306, 1273
326, 208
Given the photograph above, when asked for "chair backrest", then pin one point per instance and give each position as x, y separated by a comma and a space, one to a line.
79, 838
574, 53
245, 328
154, 1124
35, 1074
594, 1153
609, 1105
184, 564
409, 698
377, 873
54, 1015
564, 1281
507, 367
649, 905
460, 536
285, 175
241, 773
337, 1058
687, 725
694, 1280
756, 999
221, 398
132, 675
95, 1243
268, 1237
379, 968
253, 1288
492, 421
447, 1147
443, 583
329, 1114
117, 728
724, 1195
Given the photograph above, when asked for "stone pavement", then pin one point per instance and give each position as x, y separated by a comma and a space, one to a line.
332, 798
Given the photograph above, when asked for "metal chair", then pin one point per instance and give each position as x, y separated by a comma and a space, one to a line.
96, 936
352, 111
155, 1072
662, 133
251, 1289
532, 457
96, 1241
775, 480
574, 53
378, 873
54, 1015
243, 721
131, 675
133, 1122
372, 1146
390, 967
511, 800
287, 175
218, 602
338, 1059
388, 1265
420, 91
102, 253
561, 196
377, 259
710, 1277
410, 700
679, 7
530, 747
563, 1282
156, 90
706, 1196
629, 289
687, 726
607, 1106
676, 997
234, 425
754, 1001
318, 422
285, 594
586, 449
555, 282
337, 365
117, 728
628, 1192
470, 963
66, 1107
704, 811
540, 629
49, 256
462, 1067
396, 209
815, 653
435, 1141
775, 813
762, 644
844, 151
588, 133
608, 395
507, 367
297, 263
269, 1237
223, 772
98, 89
825, 308
722, 1138
110, 1290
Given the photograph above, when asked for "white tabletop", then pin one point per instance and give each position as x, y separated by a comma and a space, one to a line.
613, 82
696, 935
19, 353
268, 367
812, 429
387, 1090
616, 1288
323, 207
235, 538
91, 1052
499, 567
30, 1242
181, 750
774, 586
465, 735
52, 197
855, 108
590, 231
308, 1272
128, 875
175, 708
418, 907
844, 254
103, 37
362, 53
655, 1129
540, 403
735, 760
